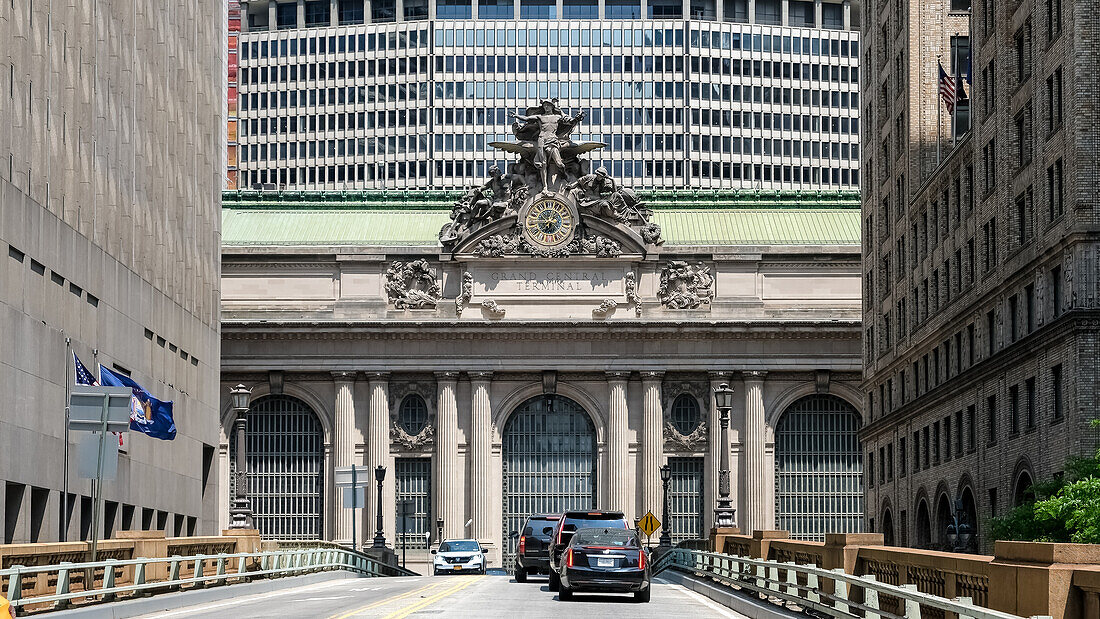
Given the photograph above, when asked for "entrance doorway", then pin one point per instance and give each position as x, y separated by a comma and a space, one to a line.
549, 463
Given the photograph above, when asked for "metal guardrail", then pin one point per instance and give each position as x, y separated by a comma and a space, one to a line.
834, 593
223, 569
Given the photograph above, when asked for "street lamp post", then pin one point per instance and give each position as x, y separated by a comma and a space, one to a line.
666, 526
379, 535
959, 531
240, 513
724, 512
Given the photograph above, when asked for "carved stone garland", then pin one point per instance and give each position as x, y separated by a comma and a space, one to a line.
412, 285
502, 244
467, 292
685, 285
696, 441
632, 293
400, 439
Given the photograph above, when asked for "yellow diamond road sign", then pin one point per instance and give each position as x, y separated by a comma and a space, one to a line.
649, 523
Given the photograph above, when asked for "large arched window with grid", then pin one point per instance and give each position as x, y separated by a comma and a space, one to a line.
413, 414
818, 468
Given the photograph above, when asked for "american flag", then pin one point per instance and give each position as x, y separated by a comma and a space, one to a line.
83, 376
947, 90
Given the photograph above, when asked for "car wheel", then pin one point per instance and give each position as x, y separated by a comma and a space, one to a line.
521, 574
643, 595
565, 594
435, 572
555, 582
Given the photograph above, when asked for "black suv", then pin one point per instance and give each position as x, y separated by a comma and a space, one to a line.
570, 523
532, 557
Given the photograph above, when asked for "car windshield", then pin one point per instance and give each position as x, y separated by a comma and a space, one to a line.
615, 538
536, 525
462, 545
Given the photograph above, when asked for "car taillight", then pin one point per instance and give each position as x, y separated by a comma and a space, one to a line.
522, 544
641, 559
569, 557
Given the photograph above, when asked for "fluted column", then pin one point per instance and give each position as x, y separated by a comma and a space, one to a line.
710, 465
619, 478
446, 456
653, 439
378, 452
755, 476
481, 452
344, 442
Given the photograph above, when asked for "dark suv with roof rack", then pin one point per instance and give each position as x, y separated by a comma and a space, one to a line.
573, 521
533, 555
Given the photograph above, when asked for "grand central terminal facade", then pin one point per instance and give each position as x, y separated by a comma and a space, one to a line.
546, 341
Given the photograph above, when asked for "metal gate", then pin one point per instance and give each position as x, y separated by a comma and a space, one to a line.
685, 498
549, 463
414, 483
285, 463
818, 469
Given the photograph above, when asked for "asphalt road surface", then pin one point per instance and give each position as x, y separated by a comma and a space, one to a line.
451, 596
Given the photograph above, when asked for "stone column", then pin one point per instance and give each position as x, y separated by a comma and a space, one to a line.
272, 16
334, 12
755, 470
817, 13
710, 460
785, 12
378, 453
752, 11
619, 477
847, 14
601, 9
653, 439
344, 440
481, 446
301, 18
446, 456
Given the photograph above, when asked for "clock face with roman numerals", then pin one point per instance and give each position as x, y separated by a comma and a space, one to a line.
549, 222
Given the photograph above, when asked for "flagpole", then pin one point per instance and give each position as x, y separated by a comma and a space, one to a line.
957, 85
62, 525
939, 112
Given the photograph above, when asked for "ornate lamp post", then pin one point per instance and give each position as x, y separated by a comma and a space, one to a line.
240, 513
724, 512
666, 525
379, 535
959, 531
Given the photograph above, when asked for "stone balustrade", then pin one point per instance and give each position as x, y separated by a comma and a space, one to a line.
1024, 578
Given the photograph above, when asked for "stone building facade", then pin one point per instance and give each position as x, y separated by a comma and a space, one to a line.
111, 142
980, 259
495, 384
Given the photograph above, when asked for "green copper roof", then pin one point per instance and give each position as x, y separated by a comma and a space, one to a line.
400, 218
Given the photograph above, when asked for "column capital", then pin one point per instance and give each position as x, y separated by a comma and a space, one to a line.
652, 375
718, 377
345, 377
447, 376
618, 375
480, 376
754, 374
375, 377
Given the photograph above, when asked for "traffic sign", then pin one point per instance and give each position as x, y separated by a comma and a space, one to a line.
352, 476
94, 408
649, 524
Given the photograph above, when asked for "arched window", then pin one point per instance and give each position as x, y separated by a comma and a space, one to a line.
685, 414
1022, 493
413, 415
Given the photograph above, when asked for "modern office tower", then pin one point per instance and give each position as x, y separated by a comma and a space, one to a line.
111, 164
233, 65
347, 94
980, 257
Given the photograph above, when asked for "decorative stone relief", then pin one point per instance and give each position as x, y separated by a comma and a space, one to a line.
494, 310
696, 441
412, 285
467, 291
672, 389
685, 285
632, 293
504, 244
605, 307
402, 441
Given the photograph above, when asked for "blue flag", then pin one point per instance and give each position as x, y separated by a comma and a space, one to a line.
148, 415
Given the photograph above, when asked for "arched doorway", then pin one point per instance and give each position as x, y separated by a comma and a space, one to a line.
818, 468
548, 449
1022, 492
887, 527
285, 468
945, 516
924, 525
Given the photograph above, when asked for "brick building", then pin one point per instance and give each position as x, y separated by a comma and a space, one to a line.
981, 259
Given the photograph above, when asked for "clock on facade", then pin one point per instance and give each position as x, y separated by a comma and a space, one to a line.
549, 222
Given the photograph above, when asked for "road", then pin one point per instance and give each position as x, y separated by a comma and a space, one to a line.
451, 597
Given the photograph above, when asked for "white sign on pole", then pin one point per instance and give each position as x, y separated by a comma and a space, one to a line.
355, 497
87, 456
354, 475
86, 408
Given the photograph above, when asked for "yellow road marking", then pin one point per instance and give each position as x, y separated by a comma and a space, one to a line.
386, 601
432, 600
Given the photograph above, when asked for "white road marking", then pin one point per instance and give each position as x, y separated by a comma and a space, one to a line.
704, 600
318, 599
248, 599
366, 589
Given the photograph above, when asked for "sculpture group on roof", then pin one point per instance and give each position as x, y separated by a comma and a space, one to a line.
550, 164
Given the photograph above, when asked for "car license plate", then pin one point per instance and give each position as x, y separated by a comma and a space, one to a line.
605, 562
458, 567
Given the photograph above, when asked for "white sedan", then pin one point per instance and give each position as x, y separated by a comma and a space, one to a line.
459, 555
